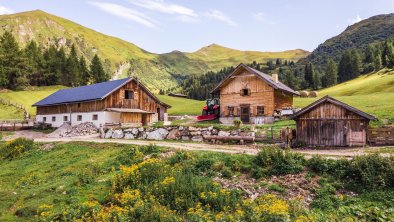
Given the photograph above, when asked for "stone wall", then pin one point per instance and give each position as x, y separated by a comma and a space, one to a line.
185, 133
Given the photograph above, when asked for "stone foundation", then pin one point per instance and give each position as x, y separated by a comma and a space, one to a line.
186, 133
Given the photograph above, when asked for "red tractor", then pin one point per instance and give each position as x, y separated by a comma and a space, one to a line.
211, 111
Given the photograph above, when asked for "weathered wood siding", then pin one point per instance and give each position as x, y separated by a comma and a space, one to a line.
331, 125
282, 99
141, 100
261, 94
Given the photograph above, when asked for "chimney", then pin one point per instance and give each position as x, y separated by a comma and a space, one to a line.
275, 78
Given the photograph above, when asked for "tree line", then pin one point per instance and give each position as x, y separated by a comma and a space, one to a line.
35, 66
353, 63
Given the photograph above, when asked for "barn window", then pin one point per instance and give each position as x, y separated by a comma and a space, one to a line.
245, 92
44, 119
79, 118
53, 118
65, 118
231, 111
95, 117
128, 94
79, 105
260, 110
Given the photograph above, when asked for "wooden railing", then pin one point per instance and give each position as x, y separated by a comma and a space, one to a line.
381, 136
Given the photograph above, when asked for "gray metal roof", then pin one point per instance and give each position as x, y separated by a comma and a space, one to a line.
265, 77
92, 92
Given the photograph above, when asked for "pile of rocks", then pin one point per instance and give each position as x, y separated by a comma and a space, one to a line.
83, 129
185, 133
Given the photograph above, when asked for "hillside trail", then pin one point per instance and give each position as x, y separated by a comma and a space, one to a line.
223, 148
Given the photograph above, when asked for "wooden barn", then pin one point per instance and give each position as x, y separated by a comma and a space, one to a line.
252, 96
329, 122
123, 102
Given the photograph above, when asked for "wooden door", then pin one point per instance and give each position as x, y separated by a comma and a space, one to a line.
158, 114
245, 114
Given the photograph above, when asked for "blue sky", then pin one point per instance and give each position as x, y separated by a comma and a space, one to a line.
164, 25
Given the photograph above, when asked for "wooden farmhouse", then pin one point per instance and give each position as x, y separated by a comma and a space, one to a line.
251, 96
329, 122
124, 102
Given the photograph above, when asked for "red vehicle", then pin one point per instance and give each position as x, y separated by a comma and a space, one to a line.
211, 111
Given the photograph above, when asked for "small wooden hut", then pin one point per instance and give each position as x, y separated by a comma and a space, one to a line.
329, 122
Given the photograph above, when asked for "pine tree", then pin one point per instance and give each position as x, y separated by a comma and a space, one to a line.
15, 65
377, 62
331, 76
85, 75
37, 76
344, 67
309, 74
71, 76
97, 70
355, 65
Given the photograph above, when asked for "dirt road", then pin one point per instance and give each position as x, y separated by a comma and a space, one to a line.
235, 149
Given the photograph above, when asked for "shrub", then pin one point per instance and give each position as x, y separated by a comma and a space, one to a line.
279, 162
370, 172
15, 148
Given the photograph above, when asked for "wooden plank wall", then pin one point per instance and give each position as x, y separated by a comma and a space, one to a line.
381, 136
261, 94
331, 125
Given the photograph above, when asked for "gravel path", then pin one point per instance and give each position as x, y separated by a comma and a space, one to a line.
235, 149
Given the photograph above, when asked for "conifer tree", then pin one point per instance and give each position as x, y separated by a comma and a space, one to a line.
331, 76
14, 64
97, 70
85, 75
72, 75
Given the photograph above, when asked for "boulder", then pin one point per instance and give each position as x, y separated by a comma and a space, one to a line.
195, 133
158, 134
117, 134
214, 132
206, 133
234, 132
185, 138
173, 135
223, 133
142, 135
141, 129
192, 128
135, 131
129, 136
108, 134
197, 138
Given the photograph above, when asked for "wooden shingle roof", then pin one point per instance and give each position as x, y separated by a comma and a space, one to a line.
267, 78
336, 102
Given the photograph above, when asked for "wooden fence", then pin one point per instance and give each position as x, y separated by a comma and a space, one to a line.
381, 136
17, 105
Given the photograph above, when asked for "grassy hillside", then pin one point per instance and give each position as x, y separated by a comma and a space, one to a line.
181, 106
153, 69
358, 35
26, 98
372, 93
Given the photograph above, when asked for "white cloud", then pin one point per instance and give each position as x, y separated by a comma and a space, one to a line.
182, 13
355, 20
164, 7
126, 13
5, 10
261, 17
220, 16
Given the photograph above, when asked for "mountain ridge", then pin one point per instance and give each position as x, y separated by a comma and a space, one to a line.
155, 69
